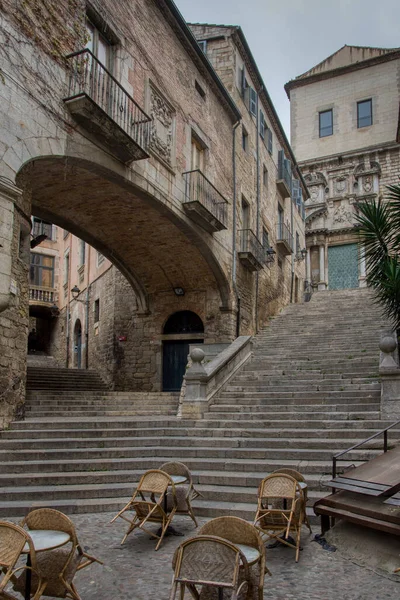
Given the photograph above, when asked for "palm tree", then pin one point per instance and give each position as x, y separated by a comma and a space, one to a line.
379, 229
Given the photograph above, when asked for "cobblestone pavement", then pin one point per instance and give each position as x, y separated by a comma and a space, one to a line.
135, 571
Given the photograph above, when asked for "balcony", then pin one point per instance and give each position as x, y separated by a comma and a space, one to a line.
204, 203
103, 107
42, 295
251, 251
284, 239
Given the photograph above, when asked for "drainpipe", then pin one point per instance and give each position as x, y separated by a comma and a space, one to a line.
88, 286
8, 194
236, 125
257, 202
68, 301
294, 248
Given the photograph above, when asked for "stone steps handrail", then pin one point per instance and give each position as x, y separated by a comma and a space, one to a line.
203, 381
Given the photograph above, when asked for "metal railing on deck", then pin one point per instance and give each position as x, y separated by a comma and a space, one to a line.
251, 244
91, 78
199, 189
283, 234
338, 456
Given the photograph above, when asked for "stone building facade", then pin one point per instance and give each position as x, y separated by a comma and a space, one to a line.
115, 128
344, 114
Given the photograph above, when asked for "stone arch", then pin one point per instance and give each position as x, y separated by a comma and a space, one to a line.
183, 321
104, 208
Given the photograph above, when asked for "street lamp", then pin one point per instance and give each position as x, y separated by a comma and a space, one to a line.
270, 255
301, 255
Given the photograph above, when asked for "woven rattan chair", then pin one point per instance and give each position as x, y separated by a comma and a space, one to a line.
57, 567
207, 564
238, 531
280, 509
185, 492
12, 541
149, 505
298, 477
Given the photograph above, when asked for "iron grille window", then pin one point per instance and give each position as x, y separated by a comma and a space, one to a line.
41, 272
364, 113
325, 123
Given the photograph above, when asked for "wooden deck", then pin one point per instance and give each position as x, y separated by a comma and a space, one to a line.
369, 495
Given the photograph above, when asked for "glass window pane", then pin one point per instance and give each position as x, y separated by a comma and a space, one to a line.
325, 123
103, 51
364, 113
90, 34
48, 261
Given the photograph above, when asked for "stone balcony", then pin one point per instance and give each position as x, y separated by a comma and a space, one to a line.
251, 251
104, 108
204, 203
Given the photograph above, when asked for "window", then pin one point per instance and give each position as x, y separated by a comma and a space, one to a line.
100, 259
269, 140
364, 113
40, 227
197, 158
297, 243
66, 268
245, 214
82, 253
199, 89
96, 310
325, 123
265, 177
245, 139
98, 45
252, 101
65, 233
41, 272
280, 222
265, 239
203, 45
263, 125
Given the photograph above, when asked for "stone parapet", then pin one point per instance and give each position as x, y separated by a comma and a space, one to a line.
389, 371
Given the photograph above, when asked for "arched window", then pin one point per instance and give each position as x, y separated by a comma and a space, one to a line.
184, 321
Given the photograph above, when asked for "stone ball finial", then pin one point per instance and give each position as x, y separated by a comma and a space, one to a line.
388, 344
197, 355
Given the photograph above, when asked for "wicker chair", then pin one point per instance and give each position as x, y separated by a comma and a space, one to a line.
185, 492
57, 567
212, 563
12, 541
280, 509
149, 505
238, 531
298, 477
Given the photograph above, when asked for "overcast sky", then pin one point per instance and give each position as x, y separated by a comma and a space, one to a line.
288, 37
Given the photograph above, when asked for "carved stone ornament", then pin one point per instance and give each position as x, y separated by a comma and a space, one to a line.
314, 193
367, 183
342, 215
162, 126
340, 185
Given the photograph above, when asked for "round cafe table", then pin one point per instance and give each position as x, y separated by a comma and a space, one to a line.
43, 539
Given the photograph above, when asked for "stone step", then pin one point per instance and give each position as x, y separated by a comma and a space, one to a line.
22, 438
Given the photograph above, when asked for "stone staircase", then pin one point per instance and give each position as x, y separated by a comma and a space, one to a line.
310, 389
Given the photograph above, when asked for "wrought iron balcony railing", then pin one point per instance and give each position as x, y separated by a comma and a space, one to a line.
90, 79
284, 238
42, 294
251, 250
205, 202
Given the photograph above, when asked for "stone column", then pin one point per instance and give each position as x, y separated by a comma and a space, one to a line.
322, 283
362, 274
308, 266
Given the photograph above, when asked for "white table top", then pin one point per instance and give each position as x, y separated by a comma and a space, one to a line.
252, 554
46, 539
302, 484
177, 479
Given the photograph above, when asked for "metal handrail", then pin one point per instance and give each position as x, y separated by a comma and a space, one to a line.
250, 243
91, 78
200, 189
385, 446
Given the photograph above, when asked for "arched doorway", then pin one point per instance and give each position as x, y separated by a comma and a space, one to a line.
182, 327
78, 344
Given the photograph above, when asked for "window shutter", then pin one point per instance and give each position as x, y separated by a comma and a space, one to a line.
280, 164
269, 140
262, 125
253, 102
